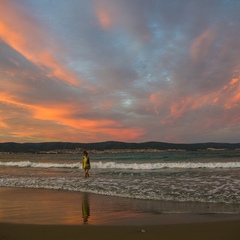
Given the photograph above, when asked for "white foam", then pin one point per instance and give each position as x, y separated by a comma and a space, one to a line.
39, 165
133, 166
152, 166
120, 188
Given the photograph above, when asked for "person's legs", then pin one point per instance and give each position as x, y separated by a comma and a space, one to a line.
86, 174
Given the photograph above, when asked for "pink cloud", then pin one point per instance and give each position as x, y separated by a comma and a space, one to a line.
59, 121
24, 34
124, 15
171, 108
104, 18
201, 45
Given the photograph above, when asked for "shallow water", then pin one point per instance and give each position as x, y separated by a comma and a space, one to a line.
183, 177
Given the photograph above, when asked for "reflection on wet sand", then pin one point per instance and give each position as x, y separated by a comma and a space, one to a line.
41, 206
85, 207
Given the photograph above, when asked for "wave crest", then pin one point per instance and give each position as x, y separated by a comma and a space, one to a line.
131, 166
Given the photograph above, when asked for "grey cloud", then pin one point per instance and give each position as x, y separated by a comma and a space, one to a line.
167, 49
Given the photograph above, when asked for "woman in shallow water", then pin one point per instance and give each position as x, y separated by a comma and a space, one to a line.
86, 164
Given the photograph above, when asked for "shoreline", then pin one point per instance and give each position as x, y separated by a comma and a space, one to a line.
27, 214
60, 207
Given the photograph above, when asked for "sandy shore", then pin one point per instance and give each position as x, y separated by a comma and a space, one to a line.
214, 230
53, 214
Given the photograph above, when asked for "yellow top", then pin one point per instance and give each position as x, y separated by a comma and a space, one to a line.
85, 162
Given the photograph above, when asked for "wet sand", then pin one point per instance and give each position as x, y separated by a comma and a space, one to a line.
214, 231
53, 214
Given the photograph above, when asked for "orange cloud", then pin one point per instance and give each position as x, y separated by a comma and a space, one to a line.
227, 97
3, 124
59, 116
124, 133
27, 37
103, 126
234, 80
57, 71
178, 108
156, 99
233, 88
190, 103
9, 98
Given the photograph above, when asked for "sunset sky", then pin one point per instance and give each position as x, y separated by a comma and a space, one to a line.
123, 70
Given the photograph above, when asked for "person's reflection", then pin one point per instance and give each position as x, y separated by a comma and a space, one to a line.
85, 208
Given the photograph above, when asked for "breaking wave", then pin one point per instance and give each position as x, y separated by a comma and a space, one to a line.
133, 166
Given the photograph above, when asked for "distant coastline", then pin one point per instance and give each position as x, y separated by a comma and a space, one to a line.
111, 147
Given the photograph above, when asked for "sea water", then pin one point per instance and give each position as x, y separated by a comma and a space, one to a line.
182, 177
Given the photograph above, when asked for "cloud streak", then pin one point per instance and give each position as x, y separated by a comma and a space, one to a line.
15, 26
89, 71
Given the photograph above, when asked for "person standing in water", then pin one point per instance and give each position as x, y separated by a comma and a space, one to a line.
86, 164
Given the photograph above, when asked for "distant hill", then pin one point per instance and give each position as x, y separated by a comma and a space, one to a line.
111, 145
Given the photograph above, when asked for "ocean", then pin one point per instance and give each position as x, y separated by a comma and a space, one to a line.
209, 178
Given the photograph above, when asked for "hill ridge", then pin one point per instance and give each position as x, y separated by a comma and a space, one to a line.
111, 145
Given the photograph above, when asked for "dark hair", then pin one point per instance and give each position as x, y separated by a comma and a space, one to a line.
85, 152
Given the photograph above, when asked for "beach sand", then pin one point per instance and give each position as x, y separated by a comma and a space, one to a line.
53, 214
214, 231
